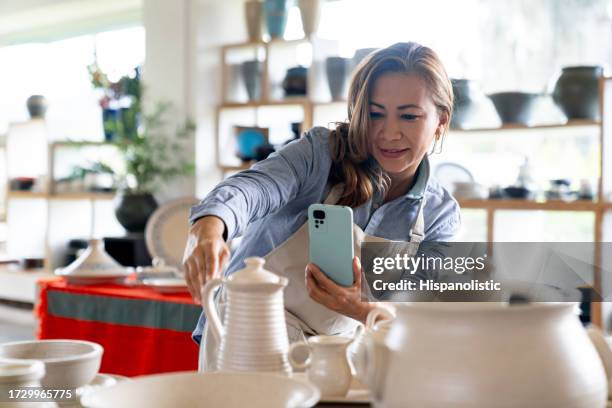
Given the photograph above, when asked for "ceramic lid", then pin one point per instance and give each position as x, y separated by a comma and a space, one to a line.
94, 262
254, 273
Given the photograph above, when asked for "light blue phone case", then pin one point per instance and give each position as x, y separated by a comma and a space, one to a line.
331, 241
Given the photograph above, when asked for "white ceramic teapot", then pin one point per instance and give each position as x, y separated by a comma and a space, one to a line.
357, 350
485, 355
254, 337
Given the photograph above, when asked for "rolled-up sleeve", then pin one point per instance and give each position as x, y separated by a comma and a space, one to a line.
267, 186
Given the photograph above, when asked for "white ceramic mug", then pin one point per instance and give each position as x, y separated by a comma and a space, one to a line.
326, 363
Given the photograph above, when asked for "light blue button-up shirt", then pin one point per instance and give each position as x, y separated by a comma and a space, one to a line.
269, 202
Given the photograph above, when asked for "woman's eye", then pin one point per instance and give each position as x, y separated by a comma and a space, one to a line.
376, 115
409, 117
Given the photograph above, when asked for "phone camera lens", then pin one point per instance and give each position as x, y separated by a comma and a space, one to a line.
319, 215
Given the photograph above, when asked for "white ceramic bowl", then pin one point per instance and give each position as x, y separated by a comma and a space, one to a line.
210, 390
68, 363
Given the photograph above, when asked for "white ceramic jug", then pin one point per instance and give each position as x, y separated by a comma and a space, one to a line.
326, 365
254, 337
485, 355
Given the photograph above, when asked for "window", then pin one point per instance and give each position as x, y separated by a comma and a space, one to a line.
58, 70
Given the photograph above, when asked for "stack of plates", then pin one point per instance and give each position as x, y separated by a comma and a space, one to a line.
94, 266
166, 285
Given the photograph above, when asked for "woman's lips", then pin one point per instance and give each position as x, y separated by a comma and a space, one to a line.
393, 153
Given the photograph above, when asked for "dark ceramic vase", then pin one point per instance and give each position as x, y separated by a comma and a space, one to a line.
466, 94
577, 92
37, 106
337, 71
251, 74
134, 209
295, 82
514, 107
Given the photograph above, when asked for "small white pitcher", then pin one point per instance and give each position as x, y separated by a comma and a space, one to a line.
326, 365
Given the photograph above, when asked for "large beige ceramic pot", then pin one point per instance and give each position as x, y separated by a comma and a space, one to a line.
485, 355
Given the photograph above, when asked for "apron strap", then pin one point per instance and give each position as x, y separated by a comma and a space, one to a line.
417, 232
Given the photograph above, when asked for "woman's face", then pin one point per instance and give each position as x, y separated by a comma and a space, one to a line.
403, 123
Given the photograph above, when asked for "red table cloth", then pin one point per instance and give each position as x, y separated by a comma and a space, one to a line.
142, 331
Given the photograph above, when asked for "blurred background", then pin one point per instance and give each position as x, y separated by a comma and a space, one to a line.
107, 106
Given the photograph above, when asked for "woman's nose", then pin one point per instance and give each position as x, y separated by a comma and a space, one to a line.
391, 130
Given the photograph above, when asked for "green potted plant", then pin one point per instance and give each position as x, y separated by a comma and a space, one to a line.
151, 158
151, 155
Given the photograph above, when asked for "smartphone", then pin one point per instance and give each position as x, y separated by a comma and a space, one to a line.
330, 231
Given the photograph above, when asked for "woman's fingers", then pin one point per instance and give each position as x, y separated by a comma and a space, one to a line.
193, 281
357, 272
211, 261
323, 281
315, 291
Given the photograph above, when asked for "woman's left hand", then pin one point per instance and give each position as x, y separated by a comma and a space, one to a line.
341, 299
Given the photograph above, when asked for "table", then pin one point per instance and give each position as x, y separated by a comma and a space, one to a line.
142, 331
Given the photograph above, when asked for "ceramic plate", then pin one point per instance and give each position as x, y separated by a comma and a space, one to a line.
210, 390
166, 285
357, 394
166, 231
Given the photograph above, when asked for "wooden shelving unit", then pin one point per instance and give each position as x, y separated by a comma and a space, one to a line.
33, 135
264, 52
599, 207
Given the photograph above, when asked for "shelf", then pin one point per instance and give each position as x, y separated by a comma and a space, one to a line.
60, 196
226, 168
82, 196
275, 41
284, 102
571, 123
77, 144
518, 204
257, 104
26, 194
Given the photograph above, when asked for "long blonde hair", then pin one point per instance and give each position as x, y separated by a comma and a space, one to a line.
352, 163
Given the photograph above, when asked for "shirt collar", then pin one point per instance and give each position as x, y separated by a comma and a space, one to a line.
422, 177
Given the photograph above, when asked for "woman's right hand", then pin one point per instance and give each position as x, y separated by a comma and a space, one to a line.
205, 254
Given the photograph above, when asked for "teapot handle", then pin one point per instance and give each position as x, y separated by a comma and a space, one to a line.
377, 312
298, 365
210, 309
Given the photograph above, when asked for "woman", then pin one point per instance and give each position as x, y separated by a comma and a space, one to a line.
400, 105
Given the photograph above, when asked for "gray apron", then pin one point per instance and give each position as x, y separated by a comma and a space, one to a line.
304, 316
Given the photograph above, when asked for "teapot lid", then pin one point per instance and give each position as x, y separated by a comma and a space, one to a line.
254, 272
